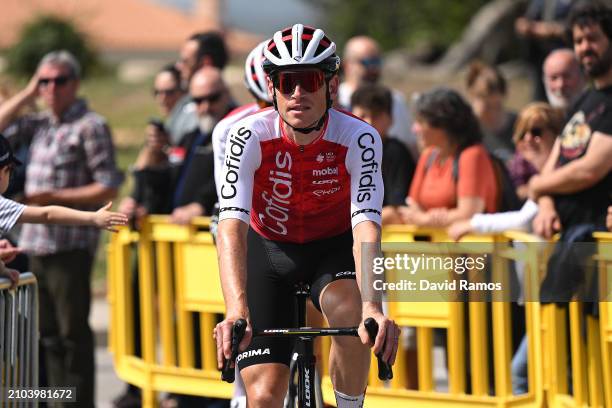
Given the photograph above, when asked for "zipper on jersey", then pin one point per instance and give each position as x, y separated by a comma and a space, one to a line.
301, 155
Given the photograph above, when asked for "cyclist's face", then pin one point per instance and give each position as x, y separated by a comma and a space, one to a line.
301, 95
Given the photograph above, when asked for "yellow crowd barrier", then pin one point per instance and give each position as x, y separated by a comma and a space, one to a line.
176, 291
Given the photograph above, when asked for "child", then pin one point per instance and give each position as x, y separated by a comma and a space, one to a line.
12, 212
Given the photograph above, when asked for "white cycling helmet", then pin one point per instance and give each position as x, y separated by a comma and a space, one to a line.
301, 46
254, 75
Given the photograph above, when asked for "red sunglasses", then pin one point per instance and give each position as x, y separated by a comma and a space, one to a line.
308, 80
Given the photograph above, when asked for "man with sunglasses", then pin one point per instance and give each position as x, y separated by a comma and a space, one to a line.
302, 189
72, 163
204, 49
195, 192
362, 64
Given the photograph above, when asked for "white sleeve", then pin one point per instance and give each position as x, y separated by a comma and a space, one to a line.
219, 137
242, 159
363, 162
10, 211
498, 222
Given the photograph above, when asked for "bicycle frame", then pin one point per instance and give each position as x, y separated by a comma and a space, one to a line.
304, 347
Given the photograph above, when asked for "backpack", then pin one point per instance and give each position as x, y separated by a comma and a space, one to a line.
507, 199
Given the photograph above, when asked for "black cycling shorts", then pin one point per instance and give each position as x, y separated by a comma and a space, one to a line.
273, 269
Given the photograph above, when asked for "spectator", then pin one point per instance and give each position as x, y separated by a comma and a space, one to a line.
563, 80
486, 88
151, 171
609, 219
72, 163
372, 103
205, 49
454, 178
535, 133
543, 30
195, 192
575, 185
20, 145
167, 90
546, 121
362, 64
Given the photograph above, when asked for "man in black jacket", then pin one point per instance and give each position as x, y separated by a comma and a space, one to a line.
195, 193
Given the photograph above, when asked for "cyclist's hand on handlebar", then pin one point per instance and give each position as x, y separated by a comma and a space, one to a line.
386, 340
223, 337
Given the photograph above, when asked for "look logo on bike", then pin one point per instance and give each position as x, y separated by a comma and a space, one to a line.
302, 190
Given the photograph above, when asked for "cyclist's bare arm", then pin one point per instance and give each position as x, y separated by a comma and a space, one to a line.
231, 250
368, 232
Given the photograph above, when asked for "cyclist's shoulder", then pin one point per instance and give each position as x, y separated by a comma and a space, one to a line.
233, 117
261, 122
346, 128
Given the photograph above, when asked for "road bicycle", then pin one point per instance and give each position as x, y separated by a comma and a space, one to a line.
302, 378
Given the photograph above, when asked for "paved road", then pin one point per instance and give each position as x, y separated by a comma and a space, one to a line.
108, 385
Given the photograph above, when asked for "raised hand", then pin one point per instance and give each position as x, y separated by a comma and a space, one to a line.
109, 220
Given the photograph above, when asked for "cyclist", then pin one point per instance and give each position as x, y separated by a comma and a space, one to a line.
301, 175
255, 81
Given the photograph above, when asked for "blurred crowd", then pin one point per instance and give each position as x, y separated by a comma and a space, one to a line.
452, 158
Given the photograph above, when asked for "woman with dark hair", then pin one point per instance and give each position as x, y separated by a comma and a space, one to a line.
455, 178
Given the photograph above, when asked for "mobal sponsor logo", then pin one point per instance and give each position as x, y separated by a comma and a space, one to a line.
328, 171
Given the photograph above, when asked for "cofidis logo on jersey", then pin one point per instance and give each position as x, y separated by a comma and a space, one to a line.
369, 167
233, 156
277, 201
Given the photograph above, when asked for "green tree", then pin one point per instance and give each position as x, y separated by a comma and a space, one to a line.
399, 23
46, 34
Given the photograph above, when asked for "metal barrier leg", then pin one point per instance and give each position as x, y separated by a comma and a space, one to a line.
594, 364
425, 358
578, 356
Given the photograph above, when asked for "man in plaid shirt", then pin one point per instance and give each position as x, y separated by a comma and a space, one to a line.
71, 163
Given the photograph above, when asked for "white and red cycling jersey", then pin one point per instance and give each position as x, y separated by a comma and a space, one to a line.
219, 137
300, 193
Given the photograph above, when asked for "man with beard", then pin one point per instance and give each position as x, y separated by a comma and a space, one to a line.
362, 64
575, 185
563, 80
195, 192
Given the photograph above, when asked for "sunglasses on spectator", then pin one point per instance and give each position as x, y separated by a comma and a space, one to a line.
535, 131
58, 81
308, 80
212, 98
373, 62
164, 92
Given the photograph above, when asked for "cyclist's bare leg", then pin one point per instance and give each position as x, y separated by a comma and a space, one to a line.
266, 384
349, 360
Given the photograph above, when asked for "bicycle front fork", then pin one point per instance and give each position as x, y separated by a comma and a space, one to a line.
306, 367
